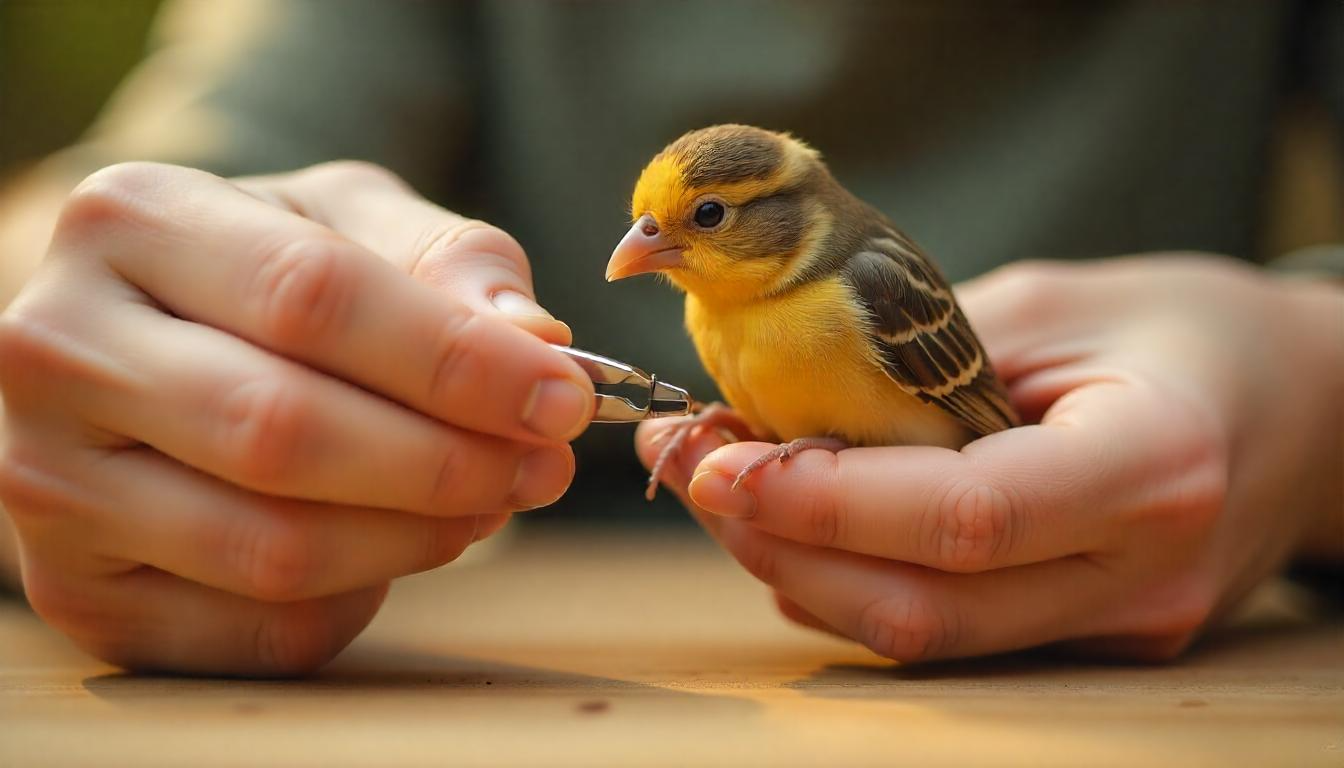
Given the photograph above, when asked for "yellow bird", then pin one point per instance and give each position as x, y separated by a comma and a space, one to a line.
823, 325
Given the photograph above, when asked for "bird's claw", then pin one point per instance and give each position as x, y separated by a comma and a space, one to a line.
784, 451
715, 415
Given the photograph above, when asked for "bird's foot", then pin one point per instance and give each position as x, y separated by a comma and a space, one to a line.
713, 416
783, 451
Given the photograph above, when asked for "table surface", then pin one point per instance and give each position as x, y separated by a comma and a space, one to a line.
653, 648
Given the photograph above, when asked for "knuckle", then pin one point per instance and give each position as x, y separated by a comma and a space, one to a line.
451, 249
21, 344
27, 347
43, 344
114, 196
93, 624
451, 478
905, 628
824, 513
458, 359
347, 173
304, 289
275, 556
1026, 274
294, 640
481, 237
27, 491
56, 604
262, 424
969, 526
1187, 491
1031, 286
1201, 501
1194, 500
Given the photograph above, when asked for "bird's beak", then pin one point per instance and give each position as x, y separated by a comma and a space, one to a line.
643, 249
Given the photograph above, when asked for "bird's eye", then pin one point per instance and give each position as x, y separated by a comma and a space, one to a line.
709, 214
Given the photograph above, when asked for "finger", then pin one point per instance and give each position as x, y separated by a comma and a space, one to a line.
225, 259
1042, 344
909, 613
489, 525
154, 511
476, 263
1023, 496
1027, 316
217, 404
920, 505
148, 620
1036, 390
800, 615
1017, 295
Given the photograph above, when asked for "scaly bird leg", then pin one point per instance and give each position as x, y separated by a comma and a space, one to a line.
785, 450
712, 416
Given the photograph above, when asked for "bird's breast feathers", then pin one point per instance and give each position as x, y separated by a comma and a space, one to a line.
801, 364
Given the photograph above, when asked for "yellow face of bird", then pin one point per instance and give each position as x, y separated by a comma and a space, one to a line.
727, 212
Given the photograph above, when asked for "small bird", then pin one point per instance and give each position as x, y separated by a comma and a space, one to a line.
822, 323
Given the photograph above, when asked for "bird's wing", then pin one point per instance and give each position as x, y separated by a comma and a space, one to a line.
924, 341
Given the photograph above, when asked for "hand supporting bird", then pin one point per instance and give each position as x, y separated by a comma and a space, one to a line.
1183, 443
822, 323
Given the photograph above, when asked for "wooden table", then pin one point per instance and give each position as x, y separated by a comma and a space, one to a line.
621, 649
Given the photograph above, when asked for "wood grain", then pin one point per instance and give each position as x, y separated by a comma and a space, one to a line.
654, 649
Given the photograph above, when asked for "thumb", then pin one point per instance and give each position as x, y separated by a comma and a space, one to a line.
478, 264
486, 268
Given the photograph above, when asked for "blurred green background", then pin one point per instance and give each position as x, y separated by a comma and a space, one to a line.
59, 61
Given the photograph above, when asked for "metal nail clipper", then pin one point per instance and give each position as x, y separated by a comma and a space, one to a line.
663, 399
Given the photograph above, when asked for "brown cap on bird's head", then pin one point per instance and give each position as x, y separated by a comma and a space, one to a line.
713, 199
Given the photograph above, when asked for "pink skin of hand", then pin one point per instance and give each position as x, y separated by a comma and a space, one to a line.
1174, 457
208, 383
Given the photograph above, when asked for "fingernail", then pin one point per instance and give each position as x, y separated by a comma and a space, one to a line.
713, 491
542, 478
515, 303
557, 409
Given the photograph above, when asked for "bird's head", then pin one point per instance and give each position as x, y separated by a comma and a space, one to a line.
725, 212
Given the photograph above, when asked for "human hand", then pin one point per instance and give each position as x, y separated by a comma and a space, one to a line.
236, 410
1188, 428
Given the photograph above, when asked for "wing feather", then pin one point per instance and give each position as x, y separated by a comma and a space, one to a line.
920, 334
